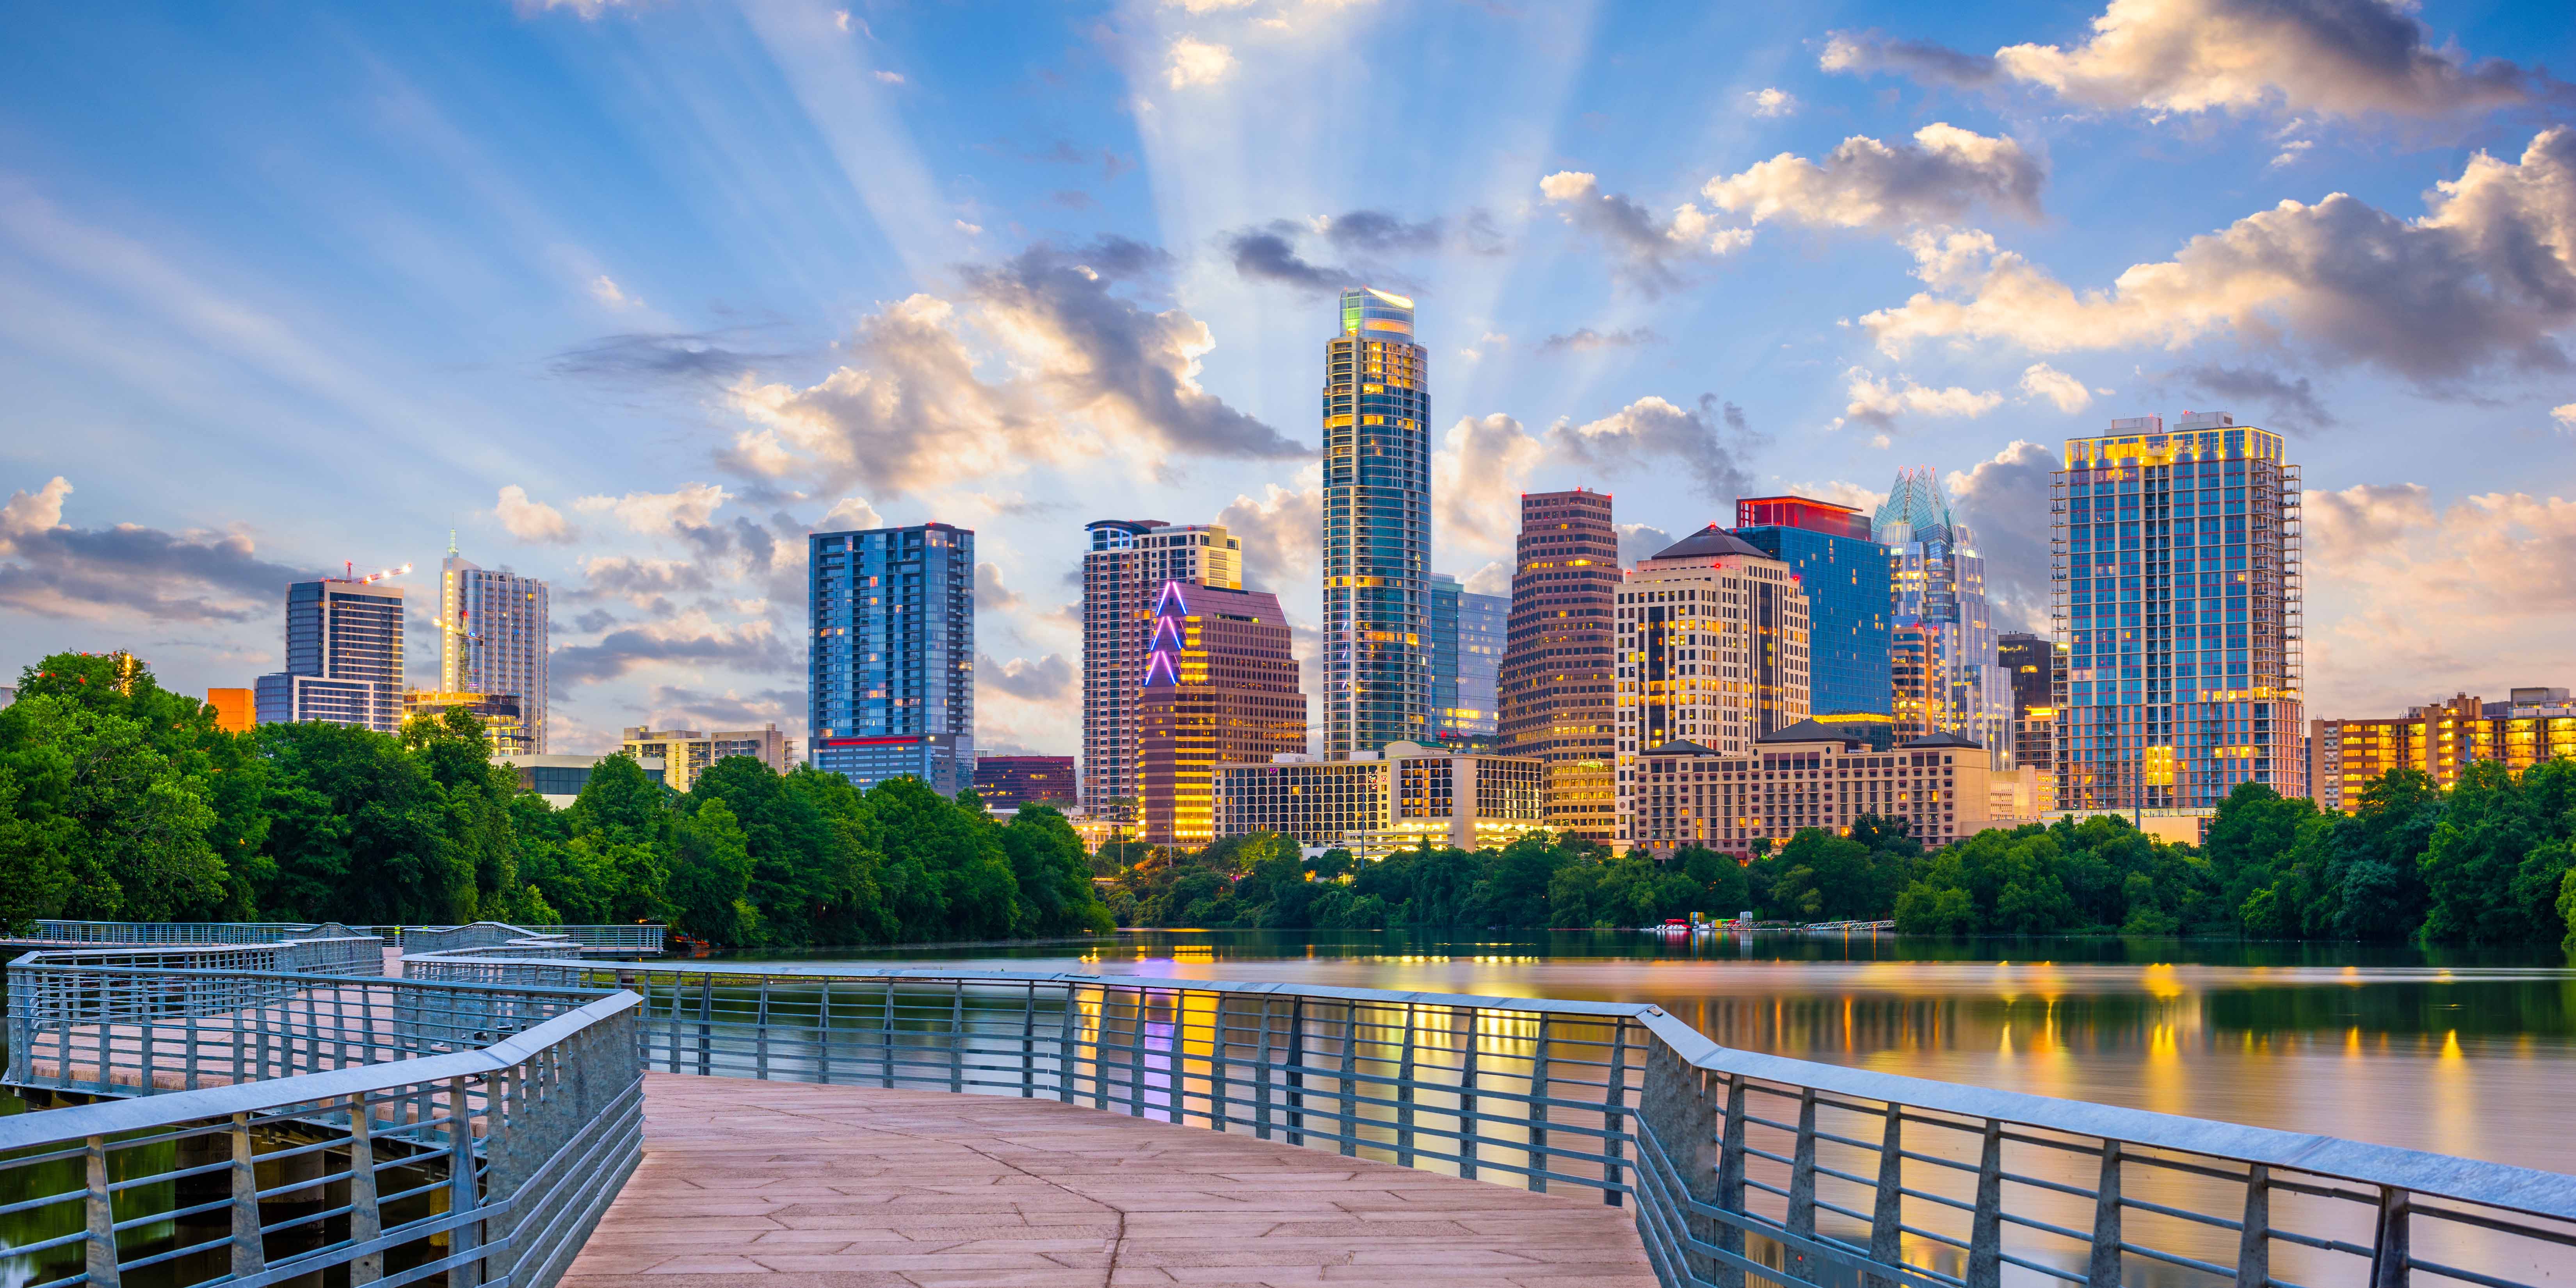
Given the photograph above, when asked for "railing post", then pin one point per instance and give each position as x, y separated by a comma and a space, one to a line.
2391, 1257
1136, 1059
1730, 1182
885, 1036
366, 1219
249, 1255
1066, 1035
706, 1025
1349, 1080
1263, 1078
1467, 1125
2105, 1270
957, 1036
1675, 1121
823, 1035
1217, 1078
1802, 1182
1887, 1214
464, 1238
1297, 1071
2254, 1244
100, 1208
1614, 1116
1404, 1095
760, 1035
1986, 1227
1029, 1043
1538, 1109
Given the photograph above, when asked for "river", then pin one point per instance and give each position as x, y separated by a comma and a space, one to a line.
2456, 1051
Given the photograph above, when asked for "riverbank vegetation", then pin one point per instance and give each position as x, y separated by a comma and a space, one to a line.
120, 800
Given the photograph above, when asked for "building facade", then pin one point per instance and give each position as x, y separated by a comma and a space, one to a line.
233, 711
1845, 574
1807, 775
1380, 802
344, 656
1558, 700
559, 778
1008, 782
1220, 686
1124, 566
1938, 581
492, 640
2177, 616
1377, 528
2031, 662
1712, 650
687, 753
2442, 739
504, 725
891, 684
1467, 633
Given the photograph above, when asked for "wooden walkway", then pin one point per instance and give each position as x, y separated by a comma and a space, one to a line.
803, 1186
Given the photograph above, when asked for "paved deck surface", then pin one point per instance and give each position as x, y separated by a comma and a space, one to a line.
800, 1186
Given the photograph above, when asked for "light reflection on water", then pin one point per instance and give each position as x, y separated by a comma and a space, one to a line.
2459, 1053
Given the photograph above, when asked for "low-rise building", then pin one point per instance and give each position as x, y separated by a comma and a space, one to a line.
234, 712
689, 752
2442, 739
1807, 775
560, 778
1374, 804
1008, 782
504, 724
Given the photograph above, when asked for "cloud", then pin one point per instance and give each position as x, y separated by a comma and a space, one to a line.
657, 514
1271, 253
1878, 403
1863, 183
1922, 60
665, 355
1090, 372
1771, 102
849, 514
1478, 472
1377, 232
2004, 502
1840, 492
2363, 520
1495, 578
2485, 278
991, 595
2564, 414
689, 640
1710, 441
1651, 252
532, 520
2040, 380
1046, 679
1278, 530
641, 581
2290, 152
1641, 541
605, 290
2292, 403
1586, 340
1196, 62
52, 569
678, 707
887, 77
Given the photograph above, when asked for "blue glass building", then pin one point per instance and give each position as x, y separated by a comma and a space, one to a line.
1377, 528
1846, 577
1466, 644
891, 683
344, 656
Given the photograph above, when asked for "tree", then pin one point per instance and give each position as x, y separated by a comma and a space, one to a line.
96, 799
710, 871
357, 832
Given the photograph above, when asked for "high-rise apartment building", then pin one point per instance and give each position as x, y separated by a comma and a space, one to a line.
2177, 616
2442, 739
891, 686
1712, 651
1939, 581
1559, 700
344, 656
492, 640
1220, 687
2031, 663
1467, 632
1845, 574
1123, 570
1377, 528
1922, 705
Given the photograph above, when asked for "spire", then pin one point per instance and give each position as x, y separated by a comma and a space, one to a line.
1917, 504
451, 543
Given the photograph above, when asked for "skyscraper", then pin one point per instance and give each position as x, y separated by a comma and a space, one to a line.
2031, 661
1124, 568
492, 631
1377, 528
891, 690
1559, 702
1220, 687
1940, 583
344, 656
1845, 575
2177, 613
1467, 632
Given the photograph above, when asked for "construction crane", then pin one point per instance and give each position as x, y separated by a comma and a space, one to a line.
350, 571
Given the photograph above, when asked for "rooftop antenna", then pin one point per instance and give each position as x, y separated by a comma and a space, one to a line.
451, 543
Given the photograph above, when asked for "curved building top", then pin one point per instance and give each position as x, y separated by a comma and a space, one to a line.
1378, 313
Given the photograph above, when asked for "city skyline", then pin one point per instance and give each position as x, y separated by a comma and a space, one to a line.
645, 294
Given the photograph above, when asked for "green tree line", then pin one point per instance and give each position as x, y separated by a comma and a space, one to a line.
131, 804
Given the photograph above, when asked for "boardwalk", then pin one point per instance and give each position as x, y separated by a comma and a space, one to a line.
840, 1187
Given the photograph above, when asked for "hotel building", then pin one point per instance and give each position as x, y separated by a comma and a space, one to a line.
2441, 739
1123, 570
891, 685
1467, 633
1558, 700
1807, 775
2177, 617
1939, 584
1377, 528
1220, 685
1845, 575
344, 656
1380, 802
492, 640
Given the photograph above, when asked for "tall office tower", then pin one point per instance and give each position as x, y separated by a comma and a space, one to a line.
2031, 661
1220, 688
492, 630
1920, 705
1845, 575
1558, 700
2177, 613
1127, 562
891, 689
1940, 582
1377, 528
344, 656
1466, 663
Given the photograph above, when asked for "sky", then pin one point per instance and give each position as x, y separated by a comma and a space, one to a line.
632, 296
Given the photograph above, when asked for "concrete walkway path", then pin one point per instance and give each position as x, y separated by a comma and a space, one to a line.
790, 1185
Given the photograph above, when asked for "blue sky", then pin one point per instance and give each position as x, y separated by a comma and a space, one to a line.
633, 295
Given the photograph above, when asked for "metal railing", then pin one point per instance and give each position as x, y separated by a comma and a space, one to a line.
1738, 1165
178, 932
643, 940
342, 953
386, 1131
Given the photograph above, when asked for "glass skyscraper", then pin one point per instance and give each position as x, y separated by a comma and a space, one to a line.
344, 656
1466, 663
492, 641
891, 686
2177, 616
1939, 584
1845, 575
1377, 528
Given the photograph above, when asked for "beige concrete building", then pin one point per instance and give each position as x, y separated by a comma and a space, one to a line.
688, 752
1807, 775
1376, 803
2442, 739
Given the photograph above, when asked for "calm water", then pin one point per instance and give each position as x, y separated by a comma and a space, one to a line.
2455, 1051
